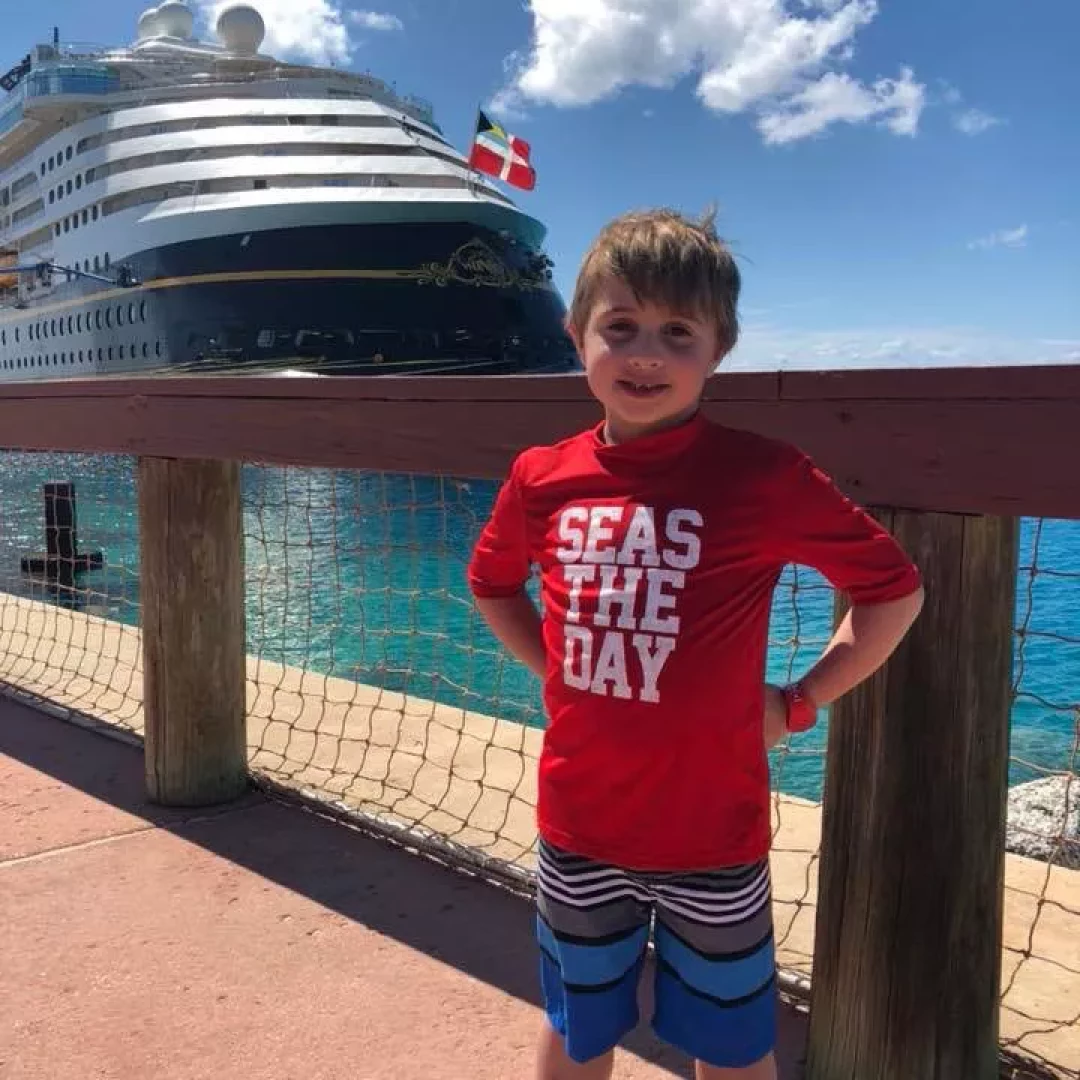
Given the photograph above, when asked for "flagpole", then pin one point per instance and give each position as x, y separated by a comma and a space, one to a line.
472, 170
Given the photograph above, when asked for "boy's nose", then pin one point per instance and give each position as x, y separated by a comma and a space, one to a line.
645, 361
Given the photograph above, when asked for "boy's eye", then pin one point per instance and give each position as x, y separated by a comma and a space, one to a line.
621, 326
680, 331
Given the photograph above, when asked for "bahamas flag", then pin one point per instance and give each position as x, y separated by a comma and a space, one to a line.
498, 153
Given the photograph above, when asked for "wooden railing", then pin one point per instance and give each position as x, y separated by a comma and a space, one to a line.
907, 963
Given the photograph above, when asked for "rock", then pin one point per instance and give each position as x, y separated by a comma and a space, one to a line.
1039, 819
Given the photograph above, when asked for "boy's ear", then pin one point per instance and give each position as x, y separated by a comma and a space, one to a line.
568, 326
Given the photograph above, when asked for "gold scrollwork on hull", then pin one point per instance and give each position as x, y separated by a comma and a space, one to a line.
474, 263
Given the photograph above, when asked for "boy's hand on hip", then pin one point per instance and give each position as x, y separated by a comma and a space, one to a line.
775, 715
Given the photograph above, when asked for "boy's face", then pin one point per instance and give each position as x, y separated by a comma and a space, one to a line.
645, 364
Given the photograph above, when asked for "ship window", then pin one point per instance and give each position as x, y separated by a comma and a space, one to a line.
119, 315
78, 181
106, 260
69, 187
97, 318
142, 311
68, 153
100, 354
108, 318
52, 197
67, 224
58, 228
131, 314
86, 217
94, 213
110, 352
78, 323
74, 221
97, 262
70, 321
157, 348
52, 163
43, 168
145, 350
52, 327
121, 352
16, 335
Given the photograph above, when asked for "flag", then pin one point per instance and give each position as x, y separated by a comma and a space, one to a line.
498, 153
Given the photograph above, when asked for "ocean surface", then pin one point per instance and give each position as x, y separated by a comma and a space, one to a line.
361, 576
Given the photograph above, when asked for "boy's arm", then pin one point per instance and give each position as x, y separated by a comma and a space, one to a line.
498, 570
827, 531
515, 621
866, 637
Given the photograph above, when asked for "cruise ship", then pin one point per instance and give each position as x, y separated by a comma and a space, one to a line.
185, 205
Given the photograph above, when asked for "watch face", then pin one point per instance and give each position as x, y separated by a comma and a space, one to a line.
802, 713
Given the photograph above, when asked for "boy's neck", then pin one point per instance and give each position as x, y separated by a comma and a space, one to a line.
617, 431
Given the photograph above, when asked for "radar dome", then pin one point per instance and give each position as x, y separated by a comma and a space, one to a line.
148, 24
174, 19
241, 29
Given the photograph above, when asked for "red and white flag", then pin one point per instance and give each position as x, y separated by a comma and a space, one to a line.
498, 153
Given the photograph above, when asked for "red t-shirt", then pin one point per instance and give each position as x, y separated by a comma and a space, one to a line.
658, 560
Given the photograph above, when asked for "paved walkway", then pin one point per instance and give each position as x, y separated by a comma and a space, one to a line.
253, 941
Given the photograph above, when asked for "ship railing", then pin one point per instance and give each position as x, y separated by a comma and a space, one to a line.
279, 597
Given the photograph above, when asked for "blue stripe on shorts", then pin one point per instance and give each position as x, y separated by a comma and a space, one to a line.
715, 985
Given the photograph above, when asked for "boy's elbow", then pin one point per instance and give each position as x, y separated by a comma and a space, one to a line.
915, 604
906, 609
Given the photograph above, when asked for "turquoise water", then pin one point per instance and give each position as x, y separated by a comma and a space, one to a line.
361, 575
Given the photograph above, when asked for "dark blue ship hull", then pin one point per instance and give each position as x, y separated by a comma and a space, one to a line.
425, 298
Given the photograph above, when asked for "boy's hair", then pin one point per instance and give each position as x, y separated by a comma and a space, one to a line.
668, 260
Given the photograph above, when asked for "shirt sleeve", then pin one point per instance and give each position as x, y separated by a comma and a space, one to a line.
816, 525
500, 563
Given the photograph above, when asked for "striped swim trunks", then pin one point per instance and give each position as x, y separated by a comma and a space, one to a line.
715, 982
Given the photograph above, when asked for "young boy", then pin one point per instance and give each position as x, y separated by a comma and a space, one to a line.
659, 538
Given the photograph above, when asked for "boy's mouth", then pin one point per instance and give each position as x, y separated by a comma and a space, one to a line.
640, 389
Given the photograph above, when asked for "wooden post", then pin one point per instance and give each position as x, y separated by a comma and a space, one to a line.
192, 592
907, 958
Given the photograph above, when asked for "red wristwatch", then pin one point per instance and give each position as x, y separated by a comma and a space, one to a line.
801, 708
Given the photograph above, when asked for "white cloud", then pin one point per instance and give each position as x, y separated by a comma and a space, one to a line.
767, 347
966, 119
777, 59
375, 20
974, 121
1007, 238
894, 103
312, 30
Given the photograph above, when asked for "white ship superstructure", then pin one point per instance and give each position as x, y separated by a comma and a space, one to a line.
182, 204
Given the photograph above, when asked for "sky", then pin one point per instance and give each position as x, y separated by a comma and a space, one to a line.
899, 179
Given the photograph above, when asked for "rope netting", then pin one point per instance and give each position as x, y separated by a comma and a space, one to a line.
374, 687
